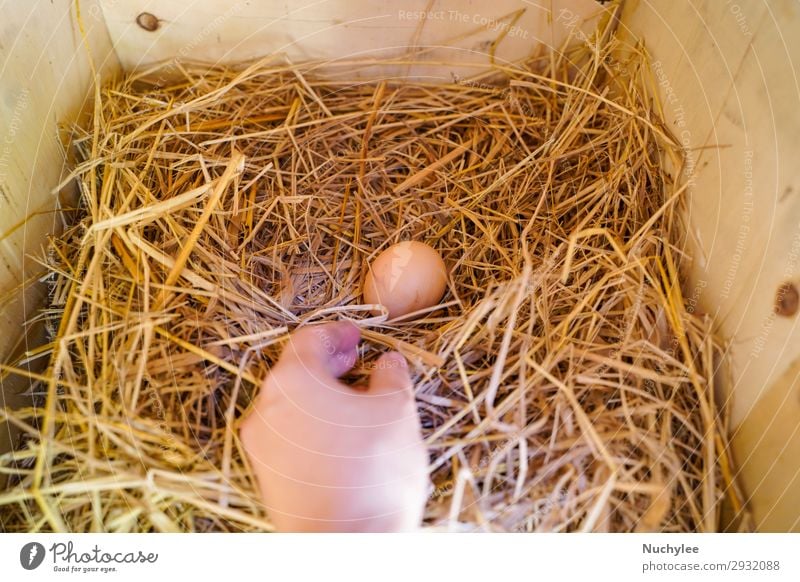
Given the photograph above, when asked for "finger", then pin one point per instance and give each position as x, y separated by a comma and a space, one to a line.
330, 346
391, 376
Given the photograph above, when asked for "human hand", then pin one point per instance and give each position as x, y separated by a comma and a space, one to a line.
329, 457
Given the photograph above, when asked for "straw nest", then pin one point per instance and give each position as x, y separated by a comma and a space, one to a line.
563, 383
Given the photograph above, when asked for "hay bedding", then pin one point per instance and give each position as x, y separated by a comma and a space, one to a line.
562, 383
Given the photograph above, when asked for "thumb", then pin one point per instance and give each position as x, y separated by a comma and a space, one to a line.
391, 376
330, 345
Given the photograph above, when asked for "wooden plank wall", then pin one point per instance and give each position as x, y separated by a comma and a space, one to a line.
729, 74
44, 81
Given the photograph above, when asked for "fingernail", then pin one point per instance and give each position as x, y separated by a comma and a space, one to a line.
346, 332
395, 358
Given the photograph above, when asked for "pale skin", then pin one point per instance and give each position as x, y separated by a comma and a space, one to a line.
329, 457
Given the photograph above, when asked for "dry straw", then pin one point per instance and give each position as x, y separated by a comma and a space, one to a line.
562, 383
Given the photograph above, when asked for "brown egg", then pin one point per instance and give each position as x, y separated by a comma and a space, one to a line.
406, 277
